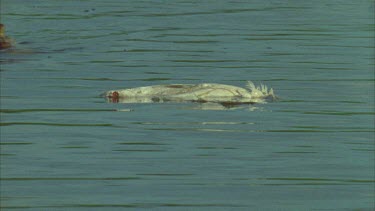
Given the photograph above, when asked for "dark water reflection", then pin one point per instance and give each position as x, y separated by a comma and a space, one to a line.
64, 147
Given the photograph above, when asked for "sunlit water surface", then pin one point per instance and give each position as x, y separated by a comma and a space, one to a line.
65, 148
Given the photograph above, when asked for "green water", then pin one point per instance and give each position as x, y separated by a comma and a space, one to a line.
65, 148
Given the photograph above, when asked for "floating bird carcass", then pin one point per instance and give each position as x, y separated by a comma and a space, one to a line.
205, 92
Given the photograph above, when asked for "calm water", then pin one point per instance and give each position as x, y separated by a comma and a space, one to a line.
65, 148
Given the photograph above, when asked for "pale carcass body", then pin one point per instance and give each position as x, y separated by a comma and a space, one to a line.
205, 92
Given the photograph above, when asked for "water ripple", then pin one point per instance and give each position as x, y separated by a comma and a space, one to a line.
52, 110
135, 205
55, 124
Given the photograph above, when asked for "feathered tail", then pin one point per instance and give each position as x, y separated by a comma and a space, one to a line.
261, 91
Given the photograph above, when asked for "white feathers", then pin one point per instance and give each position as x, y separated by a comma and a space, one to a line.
250, 85
261, 91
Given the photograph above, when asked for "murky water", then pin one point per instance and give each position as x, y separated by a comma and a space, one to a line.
65, 148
